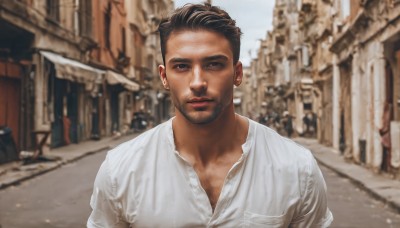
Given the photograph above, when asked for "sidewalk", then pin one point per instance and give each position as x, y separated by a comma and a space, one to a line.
379, 186
14, 172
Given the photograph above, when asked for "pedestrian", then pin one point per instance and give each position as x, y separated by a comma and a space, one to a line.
262, 119
207, 166
288, 123
307, 123
384, 131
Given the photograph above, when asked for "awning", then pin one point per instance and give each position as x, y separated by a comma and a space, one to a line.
307, 81
237, 101
73, 70
115, 78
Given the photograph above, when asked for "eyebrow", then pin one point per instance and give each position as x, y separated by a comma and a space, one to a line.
215, 57
206, 59
179, 60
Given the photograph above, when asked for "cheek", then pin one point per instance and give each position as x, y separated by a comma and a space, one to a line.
176, 87
226, 85
176, 91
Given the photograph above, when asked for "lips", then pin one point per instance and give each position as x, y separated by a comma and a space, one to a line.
198, 103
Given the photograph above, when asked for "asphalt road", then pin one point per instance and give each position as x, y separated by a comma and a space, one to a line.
353, 207
61, 199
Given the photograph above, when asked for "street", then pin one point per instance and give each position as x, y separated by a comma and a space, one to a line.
353, 207
61, 199
57, 199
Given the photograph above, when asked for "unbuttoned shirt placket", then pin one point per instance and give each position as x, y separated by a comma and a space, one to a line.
225, 197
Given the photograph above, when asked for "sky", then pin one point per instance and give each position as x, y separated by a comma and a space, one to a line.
254, 17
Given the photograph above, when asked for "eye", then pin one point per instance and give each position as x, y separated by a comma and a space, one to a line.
215, 65
181, 67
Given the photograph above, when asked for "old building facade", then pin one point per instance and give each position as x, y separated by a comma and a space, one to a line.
68, 71
339, 61
144, 46
366, 55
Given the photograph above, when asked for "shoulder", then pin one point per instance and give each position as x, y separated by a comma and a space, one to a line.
131, 154
280, 149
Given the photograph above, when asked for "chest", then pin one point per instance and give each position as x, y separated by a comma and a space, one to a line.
178, 196
212, 180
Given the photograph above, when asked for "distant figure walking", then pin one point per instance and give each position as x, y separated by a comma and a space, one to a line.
288, 123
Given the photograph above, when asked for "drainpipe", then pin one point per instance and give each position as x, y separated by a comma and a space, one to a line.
335, 104
379, 99
356, 115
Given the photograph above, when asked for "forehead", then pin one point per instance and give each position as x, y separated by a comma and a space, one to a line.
197, 44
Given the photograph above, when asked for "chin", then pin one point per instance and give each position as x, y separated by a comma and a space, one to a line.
201, 119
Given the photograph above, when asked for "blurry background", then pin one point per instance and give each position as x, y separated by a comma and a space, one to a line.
77, 77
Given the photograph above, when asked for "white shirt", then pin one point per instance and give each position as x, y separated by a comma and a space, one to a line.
146, 183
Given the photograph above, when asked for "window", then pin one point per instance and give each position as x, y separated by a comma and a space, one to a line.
150, 62
305, 56
123, 40
53, 10
85, 11
307, 106
138, 42
107, 25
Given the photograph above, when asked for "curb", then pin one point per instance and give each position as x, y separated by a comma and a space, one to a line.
112, 143
57, 165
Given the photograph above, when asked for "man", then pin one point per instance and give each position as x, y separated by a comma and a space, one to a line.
207, 166
288, 123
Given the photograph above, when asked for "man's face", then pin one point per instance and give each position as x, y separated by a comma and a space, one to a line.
200, 74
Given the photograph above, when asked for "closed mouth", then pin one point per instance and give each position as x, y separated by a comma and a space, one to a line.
199, 100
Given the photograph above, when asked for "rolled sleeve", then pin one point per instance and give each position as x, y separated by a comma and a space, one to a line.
105, 210
314, 211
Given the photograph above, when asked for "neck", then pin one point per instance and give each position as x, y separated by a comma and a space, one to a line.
206, 142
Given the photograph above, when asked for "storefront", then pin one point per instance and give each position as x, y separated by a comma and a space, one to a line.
10, 97
119, 102
71, 90
15, 82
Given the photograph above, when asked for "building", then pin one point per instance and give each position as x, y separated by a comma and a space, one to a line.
338, 60
366, 80
44, 60
69, 72
144, 49
316, 23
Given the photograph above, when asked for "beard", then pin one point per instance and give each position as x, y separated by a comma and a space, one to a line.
199, 116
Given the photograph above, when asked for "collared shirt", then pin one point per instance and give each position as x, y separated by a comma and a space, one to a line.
146, 183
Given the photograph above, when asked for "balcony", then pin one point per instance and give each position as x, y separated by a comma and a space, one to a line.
280, 36
307, 5
279, 18
291, 54
281, 22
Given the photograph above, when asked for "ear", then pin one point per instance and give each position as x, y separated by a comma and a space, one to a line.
238, 77
163, 76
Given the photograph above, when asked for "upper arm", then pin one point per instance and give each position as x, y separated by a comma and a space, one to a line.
313, 211
106, 211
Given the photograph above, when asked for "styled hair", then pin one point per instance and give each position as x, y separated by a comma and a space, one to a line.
199, 16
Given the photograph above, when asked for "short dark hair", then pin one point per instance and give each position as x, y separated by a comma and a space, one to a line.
199, 16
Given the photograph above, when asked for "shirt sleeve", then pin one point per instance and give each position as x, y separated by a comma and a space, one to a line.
106, 211
314, 211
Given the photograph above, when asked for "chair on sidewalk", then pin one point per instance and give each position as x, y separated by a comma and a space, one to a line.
37, 155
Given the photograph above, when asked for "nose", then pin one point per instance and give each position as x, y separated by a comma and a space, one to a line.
198, 84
